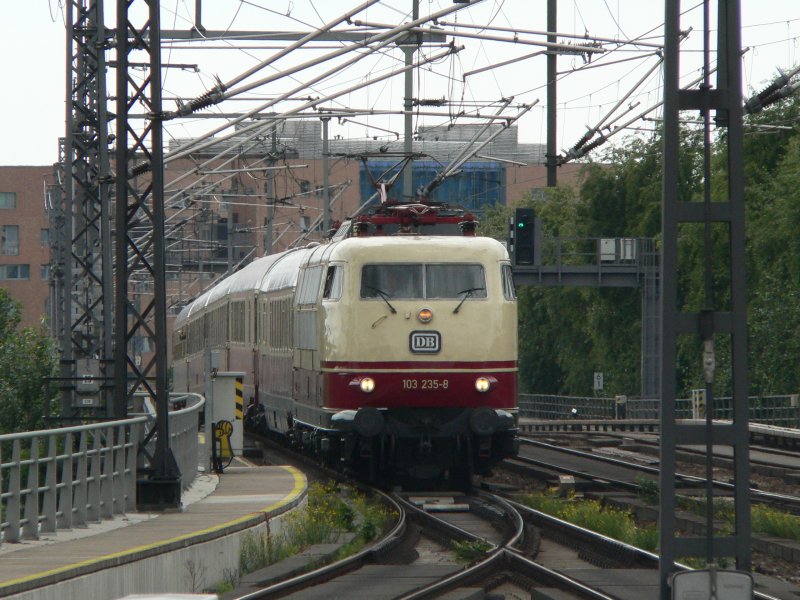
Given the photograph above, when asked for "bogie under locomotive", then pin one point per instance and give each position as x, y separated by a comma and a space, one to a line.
391, 356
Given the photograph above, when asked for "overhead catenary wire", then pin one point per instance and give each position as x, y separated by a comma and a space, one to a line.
576, 48
384, 38
253, 131
585, 37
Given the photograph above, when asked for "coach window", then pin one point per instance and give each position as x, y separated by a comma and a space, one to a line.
453, 281
333, 283
309, 285
508, 283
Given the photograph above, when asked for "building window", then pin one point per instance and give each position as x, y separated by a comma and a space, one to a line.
10, 240
44, 237
15, 272
8, 200
44, 272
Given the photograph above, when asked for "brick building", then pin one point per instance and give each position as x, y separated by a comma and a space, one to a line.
222, 220
25, 239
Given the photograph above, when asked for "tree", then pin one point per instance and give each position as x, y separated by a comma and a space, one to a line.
566, 333
27, 361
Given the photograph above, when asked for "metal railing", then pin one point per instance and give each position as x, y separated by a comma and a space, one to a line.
183, 430
781, 411
68, 477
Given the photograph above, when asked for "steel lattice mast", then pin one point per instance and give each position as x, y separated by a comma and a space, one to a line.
82, 244
140, 204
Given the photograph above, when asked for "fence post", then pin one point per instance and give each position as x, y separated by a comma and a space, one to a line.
30, 529
49, 501
93, 489
131, 451
118, 474
82, 479
64, 521
107, 475
14, 485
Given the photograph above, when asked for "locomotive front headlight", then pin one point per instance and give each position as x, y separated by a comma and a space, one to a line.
484, 384
367, 384
425, 315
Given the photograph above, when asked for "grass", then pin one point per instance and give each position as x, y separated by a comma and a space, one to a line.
648, 490
596, 516
469, 550
763, 519
620, 524
331, 511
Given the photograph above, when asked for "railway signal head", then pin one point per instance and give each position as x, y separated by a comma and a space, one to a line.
523, 237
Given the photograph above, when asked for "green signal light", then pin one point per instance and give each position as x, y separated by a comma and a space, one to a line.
521, 225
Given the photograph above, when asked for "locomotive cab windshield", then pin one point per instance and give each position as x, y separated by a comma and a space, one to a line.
427, 281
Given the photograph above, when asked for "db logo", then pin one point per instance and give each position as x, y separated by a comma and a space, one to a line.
425, 342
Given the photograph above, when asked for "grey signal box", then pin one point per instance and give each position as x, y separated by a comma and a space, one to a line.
87, 386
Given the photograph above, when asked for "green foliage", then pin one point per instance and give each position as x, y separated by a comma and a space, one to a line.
566, 334
27, 359
763, 519
331, 511
648, 490
595, 516
469, 551
769, 521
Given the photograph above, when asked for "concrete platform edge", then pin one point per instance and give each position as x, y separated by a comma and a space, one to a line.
50, 584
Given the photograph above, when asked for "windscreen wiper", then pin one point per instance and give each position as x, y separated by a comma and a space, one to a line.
383, 295
467, 293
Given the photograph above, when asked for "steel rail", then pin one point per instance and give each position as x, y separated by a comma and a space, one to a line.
340, 567
755, 494
583, 536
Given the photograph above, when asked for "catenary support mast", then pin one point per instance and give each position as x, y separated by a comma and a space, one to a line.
722, 317
140, 203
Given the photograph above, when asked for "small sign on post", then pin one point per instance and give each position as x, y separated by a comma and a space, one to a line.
598, 381
712, 583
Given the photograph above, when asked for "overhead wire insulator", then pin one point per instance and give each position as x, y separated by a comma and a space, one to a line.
429, 101
141, 169
584, 139
575, 152
212, 96
757, 102
780, 94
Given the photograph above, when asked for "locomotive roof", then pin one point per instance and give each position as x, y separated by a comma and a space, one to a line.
404, 248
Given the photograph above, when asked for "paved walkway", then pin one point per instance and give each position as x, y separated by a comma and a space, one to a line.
213, 507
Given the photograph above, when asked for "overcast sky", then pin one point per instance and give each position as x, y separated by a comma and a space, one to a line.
32, 105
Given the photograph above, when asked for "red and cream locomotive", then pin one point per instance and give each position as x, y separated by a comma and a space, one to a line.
392, 355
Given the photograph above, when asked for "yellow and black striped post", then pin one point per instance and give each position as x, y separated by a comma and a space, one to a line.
239, 399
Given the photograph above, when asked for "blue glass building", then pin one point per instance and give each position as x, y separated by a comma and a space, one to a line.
477, 185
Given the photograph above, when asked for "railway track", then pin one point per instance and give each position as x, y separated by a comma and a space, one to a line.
415, 557
521, 550
604, 472
526, 552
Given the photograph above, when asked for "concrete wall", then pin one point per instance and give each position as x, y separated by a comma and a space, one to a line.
187, 570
